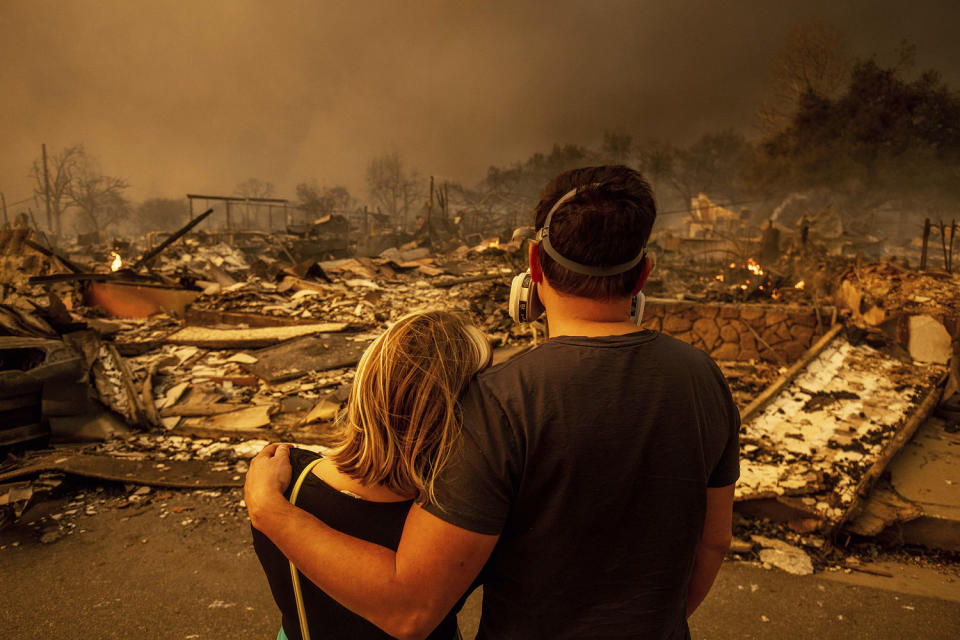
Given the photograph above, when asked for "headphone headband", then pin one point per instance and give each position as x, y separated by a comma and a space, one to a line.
543, 237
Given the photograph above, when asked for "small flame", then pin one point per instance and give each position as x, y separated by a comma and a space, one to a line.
775, 294
753, 267
494, 244
733, 265
718, 277
799, 285
744, 287
117, 261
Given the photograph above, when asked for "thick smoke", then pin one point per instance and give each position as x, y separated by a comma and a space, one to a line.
186, 96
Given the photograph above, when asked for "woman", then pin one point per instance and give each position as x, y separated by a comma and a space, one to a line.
395, 436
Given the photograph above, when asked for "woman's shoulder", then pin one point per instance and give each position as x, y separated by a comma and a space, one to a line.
299, 459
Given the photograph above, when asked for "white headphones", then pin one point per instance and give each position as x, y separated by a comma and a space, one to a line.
525, 304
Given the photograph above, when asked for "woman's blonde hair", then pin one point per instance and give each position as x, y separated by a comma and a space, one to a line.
402, 416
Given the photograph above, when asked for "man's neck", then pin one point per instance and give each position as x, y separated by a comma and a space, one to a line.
574, 316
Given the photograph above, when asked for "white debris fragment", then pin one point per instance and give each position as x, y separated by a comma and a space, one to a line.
249, 448
242, 358
784, 556
173, 395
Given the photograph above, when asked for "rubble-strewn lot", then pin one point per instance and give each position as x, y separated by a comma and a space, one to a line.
172, 377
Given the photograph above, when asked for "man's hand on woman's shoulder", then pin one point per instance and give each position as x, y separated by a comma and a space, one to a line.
267, 479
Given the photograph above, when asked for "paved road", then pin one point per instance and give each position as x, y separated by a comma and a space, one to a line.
128, 573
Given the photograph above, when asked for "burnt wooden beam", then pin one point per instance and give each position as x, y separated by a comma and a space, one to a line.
780, 383
173, 238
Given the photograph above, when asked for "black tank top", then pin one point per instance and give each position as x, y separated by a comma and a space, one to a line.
378, 522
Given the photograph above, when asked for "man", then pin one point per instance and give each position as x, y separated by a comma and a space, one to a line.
594, 477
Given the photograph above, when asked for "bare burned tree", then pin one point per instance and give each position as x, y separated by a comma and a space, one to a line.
617, 147
255, 188
393, 188
318, 201
62, 168
99, 199
812, 59
713, 164
656, 159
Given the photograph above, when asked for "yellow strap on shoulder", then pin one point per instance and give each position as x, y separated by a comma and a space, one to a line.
294, 574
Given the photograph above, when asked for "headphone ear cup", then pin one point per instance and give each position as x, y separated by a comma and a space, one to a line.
637, 303
525, 305
516, 293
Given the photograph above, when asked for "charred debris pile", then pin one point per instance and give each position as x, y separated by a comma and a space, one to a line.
169, 363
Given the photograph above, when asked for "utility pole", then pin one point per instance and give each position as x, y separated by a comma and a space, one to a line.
6, 220
429, 211
46, 189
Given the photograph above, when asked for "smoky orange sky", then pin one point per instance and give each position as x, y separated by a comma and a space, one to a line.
181, 97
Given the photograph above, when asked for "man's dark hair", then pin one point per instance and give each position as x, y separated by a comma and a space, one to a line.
606, 223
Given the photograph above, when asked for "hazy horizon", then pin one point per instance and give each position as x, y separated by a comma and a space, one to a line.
184, 97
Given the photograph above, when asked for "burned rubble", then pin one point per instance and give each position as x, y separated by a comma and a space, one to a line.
169, 372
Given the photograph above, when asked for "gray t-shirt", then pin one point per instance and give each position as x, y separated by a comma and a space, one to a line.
591, 458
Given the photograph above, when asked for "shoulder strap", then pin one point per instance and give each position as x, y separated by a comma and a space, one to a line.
294, 574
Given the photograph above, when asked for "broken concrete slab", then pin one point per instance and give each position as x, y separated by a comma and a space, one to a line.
248, 338
926, 474
929, 340
883, 508
297, 357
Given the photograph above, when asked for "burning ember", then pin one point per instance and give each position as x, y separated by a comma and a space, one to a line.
494, 244
117, 261
745, 279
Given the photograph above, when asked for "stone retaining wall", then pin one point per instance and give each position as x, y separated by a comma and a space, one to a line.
731, 331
